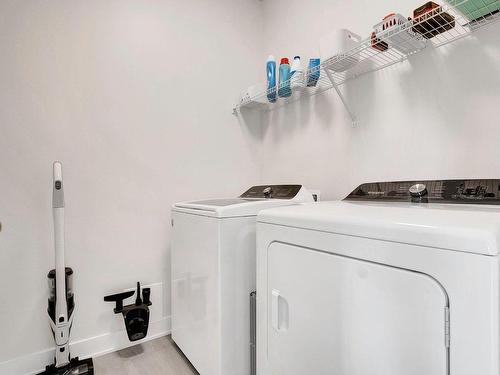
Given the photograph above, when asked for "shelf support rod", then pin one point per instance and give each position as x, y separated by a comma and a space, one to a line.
344, 101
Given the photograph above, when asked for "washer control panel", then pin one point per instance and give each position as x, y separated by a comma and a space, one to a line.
434, 191
272, 191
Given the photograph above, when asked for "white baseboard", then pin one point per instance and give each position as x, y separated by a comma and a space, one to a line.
90, 347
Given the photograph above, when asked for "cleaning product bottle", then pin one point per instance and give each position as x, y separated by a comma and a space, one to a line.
297, 74
284, 90
313, 72
271, 79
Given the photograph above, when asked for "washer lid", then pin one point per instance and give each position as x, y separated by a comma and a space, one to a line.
466, 228
255, 199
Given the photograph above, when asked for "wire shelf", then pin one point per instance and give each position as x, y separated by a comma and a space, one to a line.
448, 23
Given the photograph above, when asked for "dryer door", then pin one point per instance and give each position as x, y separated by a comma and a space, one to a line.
332, 315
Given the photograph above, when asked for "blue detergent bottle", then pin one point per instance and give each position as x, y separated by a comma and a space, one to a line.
271, 79
313, 72
284, 90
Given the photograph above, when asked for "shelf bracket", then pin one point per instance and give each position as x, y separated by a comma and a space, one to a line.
344, 101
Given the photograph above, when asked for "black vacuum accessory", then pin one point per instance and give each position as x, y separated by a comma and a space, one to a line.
136, 315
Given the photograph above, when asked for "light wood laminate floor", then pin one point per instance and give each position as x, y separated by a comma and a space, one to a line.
155, 357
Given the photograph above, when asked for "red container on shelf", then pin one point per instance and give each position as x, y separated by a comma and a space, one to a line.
378, 44
427, 7
430, 20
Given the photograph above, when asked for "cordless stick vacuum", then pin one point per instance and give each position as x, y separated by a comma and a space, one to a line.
61, 297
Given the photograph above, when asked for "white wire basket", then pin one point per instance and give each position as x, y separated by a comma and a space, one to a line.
344, 59
395, 30
342, 62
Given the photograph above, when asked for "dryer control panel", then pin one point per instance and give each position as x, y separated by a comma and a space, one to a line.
430, 191
272, 191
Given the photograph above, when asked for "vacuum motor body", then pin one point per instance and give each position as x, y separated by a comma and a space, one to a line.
70, 297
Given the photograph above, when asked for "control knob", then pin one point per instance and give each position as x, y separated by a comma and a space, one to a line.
268, 191
418, 190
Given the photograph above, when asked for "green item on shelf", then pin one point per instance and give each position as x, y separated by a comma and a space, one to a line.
475, 9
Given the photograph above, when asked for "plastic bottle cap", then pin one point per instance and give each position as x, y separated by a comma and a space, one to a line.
284, 60
296, 57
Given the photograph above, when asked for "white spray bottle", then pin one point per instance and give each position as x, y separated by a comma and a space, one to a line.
297, 74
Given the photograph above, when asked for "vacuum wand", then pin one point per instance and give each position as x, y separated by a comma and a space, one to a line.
61, 323
58, 215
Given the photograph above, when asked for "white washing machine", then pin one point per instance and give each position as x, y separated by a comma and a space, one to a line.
399, 278
213, 274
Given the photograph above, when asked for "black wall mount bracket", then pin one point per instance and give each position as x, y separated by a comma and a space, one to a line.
135, 315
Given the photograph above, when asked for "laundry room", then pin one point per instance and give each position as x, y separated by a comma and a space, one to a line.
250, 187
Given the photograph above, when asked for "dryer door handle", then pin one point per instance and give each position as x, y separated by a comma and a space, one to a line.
275, 309
279, 311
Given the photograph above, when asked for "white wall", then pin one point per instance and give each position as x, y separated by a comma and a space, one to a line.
135, 98
434, 116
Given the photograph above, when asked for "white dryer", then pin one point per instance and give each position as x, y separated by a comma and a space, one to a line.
213, 274
399, 278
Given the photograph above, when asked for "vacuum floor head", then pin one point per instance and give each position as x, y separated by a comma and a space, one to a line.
75, 367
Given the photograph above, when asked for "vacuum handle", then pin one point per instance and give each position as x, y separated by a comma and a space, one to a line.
58, 190
57, 171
